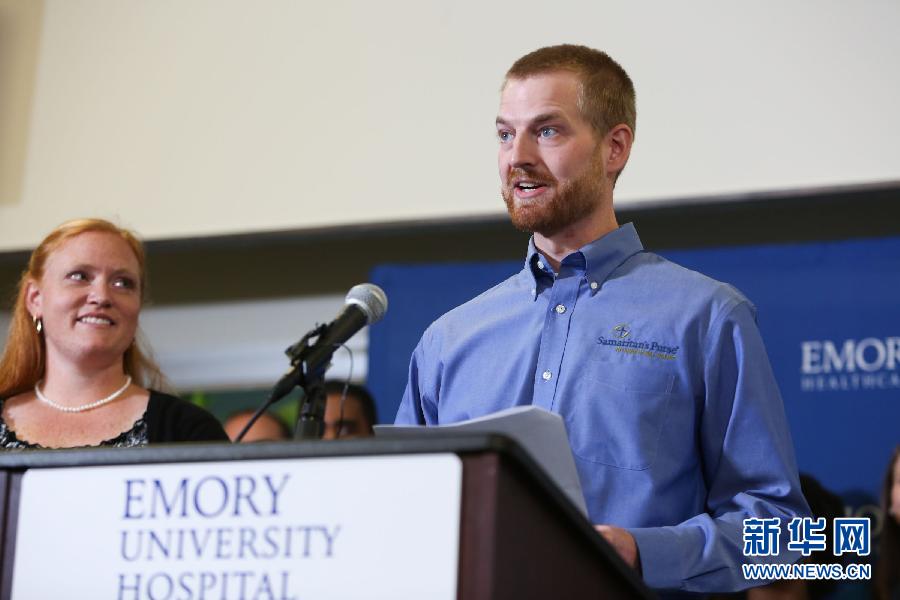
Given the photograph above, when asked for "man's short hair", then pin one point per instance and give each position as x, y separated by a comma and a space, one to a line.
607, 95
359, 393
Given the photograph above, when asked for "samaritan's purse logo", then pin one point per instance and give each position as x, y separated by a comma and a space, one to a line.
622, 341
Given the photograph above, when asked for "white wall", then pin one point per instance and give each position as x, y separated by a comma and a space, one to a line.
195, 117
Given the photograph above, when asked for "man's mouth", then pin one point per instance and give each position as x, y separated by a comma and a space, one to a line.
529, 189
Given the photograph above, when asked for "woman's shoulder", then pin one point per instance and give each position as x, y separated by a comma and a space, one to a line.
8, 438
171, 419
12, 403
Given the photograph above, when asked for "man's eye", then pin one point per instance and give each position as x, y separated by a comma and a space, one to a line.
504, 136
548, 132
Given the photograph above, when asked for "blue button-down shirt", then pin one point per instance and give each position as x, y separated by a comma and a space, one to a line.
674, 417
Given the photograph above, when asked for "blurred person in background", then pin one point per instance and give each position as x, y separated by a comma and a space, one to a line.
267, 428
354, 417
73, 372
887, 570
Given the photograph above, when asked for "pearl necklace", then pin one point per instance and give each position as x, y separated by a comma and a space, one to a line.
83, 407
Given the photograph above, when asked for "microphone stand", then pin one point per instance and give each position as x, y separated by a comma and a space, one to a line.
311, 418
311, 410
311, 378
365, 303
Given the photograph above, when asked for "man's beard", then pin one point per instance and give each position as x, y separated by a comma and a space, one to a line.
568, 204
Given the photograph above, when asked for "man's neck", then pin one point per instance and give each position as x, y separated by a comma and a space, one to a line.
556, 247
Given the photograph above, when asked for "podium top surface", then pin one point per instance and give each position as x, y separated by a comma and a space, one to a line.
218, 451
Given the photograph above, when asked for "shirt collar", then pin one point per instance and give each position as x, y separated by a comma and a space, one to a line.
601, 257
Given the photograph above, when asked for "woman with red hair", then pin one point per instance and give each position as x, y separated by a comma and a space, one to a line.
73, 372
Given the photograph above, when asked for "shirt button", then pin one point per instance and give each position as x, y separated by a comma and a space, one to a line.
594, 285
540, 265
546, 375
560, 309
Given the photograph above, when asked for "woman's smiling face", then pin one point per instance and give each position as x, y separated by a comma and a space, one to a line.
89, 299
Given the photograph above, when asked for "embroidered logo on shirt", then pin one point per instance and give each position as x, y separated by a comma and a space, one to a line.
622, 331
649, 349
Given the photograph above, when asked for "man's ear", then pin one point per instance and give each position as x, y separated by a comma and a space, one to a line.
618, 140
33, 298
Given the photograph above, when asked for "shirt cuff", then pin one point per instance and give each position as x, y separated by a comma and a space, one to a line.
661, 556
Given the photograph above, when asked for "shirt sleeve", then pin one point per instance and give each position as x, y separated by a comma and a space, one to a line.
418, 393
748, 463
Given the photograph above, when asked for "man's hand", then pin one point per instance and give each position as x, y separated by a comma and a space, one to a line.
622, 542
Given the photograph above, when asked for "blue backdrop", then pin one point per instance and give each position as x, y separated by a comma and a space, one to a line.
829, 313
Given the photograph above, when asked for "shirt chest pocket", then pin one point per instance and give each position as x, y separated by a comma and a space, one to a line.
617, 419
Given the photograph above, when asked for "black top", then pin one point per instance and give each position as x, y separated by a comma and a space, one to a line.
167, 419
171, 419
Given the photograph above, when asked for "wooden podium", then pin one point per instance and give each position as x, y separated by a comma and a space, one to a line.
519, 537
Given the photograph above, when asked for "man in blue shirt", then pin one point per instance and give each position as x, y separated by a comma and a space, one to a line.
673, 413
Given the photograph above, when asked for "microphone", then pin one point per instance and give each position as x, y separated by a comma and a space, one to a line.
365, 304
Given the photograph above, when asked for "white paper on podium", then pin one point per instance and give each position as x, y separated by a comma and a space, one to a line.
541, 433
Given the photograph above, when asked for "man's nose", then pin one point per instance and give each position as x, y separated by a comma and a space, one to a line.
523, 153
